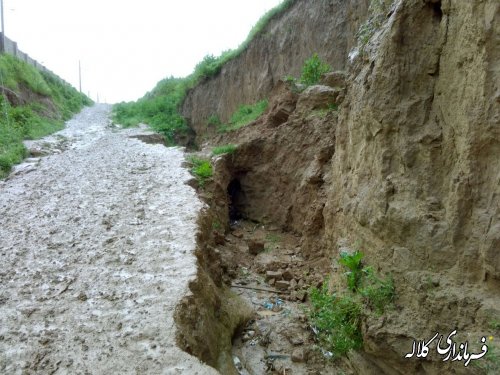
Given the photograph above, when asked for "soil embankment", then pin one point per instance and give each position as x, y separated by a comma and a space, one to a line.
315, 26
404, 167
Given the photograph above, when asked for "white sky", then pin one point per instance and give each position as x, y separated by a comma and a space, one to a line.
126, 46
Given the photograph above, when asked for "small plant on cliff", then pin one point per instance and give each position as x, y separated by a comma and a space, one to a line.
214, 120
227, 149
353, 263
313, 69
244, 115
201, 169
337, 317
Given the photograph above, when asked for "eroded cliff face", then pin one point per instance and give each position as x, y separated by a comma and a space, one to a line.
326, 27
408, 168
415, 176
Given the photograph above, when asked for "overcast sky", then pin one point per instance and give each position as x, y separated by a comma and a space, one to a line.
126, 47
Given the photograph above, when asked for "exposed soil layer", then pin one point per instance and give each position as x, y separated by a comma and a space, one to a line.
97, 244
310, 26
403, 166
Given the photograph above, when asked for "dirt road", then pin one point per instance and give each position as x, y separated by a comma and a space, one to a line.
96, 249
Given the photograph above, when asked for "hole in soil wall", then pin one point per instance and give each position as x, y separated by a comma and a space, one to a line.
436, 9
236, 198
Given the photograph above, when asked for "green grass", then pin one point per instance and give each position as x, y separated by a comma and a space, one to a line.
214, 120
201, 169
244, 115
14, 73
226, 149
273, 238
337, 317
160, 107
338, 320
36, 119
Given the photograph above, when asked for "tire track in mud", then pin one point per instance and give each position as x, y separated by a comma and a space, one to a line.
96, 247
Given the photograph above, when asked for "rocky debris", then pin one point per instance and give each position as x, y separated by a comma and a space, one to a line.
273, 275
299, 355
298, 295
150, 138
255, 247
334, 79
282, 285
288, 275
38, 151
318, 97
282, 105
219, 238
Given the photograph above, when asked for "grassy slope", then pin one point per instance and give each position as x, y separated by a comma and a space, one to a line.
160, 107
48, 104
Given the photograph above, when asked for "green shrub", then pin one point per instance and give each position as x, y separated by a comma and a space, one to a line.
227, 149
353, 264
244, 115
313, 69
337, 318
158, 108
378, 293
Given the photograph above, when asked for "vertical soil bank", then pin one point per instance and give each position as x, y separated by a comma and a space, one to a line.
313, 26
407, 169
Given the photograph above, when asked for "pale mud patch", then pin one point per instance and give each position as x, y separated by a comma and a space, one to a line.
97, 248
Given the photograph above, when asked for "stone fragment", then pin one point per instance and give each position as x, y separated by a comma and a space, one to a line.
301, 295
317, 97
255, 247
299, 355
273, 275
288, 275
334, 79
293, 284
282, 285
237, 233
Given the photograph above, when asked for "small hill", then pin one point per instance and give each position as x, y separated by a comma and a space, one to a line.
33, 104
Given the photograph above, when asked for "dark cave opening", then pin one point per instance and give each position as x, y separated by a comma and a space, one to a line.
236, 199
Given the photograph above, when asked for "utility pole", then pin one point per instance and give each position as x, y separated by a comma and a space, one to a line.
79, 73
2, 47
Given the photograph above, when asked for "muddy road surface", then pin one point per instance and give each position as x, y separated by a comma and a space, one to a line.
96, 250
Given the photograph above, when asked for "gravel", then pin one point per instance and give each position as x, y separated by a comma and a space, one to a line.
97, 248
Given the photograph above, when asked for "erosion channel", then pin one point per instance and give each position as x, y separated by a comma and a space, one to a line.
97, 244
